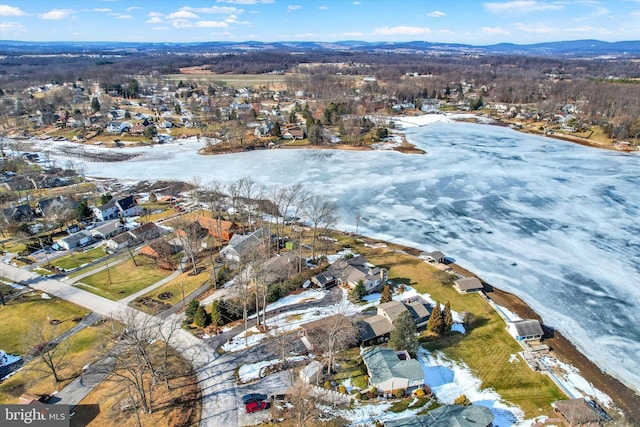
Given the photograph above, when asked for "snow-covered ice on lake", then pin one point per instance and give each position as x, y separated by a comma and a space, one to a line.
553, 222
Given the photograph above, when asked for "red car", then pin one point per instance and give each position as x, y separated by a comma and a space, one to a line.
255, 406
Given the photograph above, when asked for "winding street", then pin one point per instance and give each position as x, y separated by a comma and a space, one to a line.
215, 374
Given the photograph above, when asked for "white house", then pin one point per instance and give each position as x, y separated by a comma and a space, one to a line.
525, 330
241, 246
79, 239
124, 207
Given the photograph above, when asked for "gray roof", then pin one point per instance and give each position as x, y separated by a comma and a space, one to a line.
527, 327
418, 310
243, 245
577, 411
75, 238
384, 364
107, 228
468, 284
393, 309
448, 416
374, 326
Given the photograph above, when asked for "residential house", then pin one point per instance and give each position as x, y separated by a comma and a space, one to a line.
316, 333
116, 127
391, 370
578, 412
434, 257
448, 416
48, 181
241, 247
351, 271
47, 207
19, 184
324, 280
147, 231
218, 229
467, 285
525, 330
295, 132
79, 239
124, 207
107, 230
379, 326
20, 213
120, 241
137, 129
107, 211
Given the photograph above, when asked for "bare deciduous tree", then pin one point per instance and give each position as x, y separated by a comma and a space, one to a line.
41, 341
321, 212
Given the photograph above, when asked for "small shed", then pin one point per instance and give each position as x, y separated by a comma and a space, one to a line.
525, 330
467, 285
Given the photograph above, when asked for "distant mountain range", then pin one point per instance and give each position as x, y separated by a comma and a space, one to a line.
576, 48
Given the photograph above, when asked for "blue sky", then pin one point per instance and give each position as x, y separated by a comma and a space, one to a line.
456, 21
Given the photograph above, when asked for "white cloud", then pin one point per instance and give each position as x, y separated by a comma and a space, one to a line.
246, 1
538, 28
436, 14
356, 3
211, 24
11, 27
129, 9
323, 7
492, 31
181, 23
6, 10
182, 14
520, 7
124, 17
56, 14
101, 9
401, 31
154, 20
294, 7
224, 10
635, 14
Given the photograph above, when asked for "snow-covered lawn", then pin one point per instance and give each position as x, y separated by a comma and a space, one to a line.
252, 371
290, 321
449, 379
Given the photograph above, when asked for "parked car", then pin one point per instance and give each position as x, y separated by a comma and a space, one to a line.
253, 397
255, 406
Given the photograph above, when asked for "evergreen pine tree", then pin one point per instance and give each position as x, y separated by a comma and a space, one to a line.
359, 291
447, 319
404, 334
201, 318
190, 311
386, 294
216, 318
276, 131
435, 321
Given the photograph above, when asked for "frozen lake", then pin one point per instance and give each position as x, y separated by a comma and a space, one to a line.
553, 222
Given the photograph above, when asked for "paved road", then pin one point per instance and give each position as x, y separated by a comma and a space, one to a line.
215, 375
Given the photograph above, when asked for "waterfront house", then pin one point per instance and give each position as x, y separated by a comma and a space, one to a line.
467, 285
391, 370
